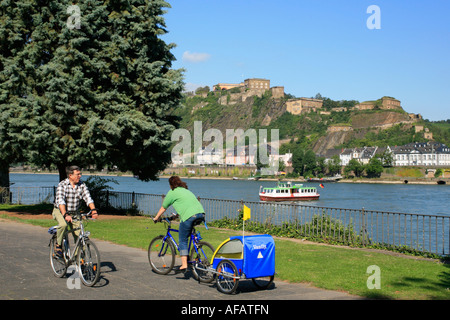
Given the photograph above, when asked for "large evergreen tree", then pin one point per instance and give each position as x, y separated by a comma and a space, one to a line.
101, 92
15, 33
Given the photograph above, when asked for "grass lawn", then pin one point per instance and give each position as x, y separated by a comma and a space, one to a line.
329, 267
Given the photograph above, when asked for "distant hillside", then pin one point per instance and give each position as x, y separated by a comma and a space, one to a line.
250, 112
327, 128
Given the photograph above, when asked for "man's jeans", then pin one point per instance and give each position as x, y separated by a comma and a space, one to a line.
185, 232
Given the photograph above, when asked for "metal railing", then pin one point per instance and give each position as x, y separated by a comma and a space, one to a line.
27, 195
421, 232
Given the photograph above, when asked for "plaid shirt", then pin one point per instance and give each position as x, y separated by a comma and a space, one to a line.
71, 197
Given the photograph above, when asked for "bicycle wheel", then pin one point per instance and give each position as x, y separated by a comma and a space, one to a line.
201, 259
263, 282
161, 255
227, 279
88, 261
57, 263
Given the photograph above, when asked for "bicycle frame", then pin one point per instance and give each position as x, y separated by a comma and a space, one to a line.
80, 241
192, 240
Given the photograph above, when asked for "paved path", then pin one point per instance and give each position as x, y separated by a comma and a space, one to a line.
25, 274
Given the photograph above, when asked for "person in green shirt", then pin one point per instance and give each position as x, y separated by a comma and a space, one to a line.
188, 208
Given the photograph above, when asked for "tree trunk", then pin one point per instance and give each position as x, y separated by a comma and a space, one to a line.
62, 171
4, 174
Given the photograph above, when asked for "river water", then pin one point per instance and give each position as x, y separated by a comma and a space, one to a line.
405, 198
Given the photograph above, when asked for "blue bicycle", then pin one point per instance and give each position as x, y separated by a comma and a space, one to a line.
162, 252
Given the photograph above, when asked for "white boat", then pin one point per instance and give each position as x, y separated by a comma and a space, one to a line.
286, 191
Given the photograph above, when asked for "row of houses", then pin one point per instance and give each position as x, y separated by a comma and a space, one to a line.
432, 154
234, 156
411, 154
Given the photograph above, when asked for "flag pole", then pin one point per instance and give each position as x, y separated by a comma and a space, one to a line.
243, 229
245, 216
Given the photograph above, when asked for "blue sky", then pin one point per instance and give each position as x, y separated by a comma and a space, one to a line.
326, 47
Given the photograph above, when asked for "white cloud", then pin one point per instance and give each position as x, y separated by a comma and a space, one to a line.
195, 57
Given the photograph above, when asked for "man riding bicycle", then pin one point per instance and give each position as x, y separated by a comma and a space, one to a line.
69, 194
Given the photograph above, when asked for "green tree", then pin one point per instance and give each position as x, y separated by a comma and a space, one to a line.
321, 167
305, 162
354, 166
15, 33
298, 155
386, 158
102, 93
374, 168
309, 162
334, 165
202, 90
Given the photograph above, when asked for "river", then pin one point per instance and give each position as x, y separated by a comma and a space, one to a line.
405, 198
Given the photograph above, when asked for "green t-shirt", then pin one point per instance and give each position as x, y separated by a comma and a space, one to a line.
184, 202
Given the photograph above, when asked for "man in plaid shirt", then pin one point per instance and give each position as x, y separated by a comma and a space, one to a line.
69, 194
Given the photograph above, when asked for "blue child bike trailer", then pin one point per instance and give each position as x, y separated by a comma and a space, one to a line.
254, 256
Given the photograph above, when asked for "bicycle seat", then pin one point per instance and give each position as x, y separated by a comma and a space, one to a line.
52, 230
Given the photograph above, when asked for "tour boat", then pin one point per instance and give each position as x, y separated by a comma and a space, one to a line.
286, 191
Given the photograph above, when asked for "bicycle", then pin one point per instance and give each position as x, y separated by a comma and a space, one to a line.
86, 256
163, 249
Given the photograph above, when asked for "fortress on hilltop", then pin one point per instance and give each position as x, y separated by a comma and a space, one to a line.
250, 87
385, 103
258, 86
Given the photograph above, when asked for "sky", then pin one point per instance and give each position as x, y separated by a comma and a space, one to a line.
343, 49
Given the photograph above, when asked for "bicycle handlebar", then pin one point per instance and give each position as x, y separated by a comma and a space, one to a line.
167, 219
86, 215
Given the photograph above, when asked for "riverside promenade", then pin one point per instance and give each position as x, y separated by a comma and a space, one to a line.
25, 274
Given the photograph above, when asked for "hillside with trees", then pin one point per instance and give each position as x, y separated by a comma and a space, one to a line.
307, 135
369, 127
